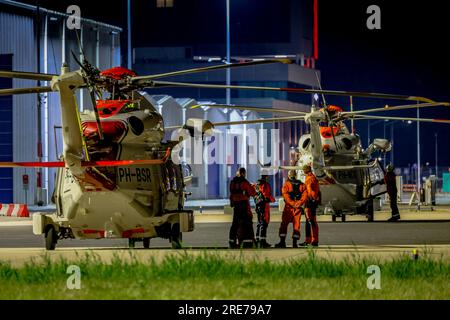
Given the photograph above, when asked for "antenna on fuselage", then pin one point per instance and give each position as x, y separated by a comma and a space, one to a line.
90, 72
326, 111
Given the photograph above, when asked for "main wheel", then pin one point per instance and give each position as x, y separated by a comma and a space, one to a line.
370, 211
146, 243
176, 236
333, 218
131, 242
50, 238
343, 218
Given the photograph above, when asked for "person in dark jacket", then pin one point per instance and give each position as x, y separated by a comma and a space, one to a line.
391, 186
263, 198
241, 230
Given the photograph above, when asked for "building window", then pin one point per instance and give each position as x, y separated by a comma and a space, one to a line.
164, 3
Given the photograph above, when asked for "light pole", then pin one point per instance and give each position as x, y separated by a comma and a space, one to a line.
384, 137
129, 65
224, 169
228, 54
369, 125
418, 158
392, 138
436, 153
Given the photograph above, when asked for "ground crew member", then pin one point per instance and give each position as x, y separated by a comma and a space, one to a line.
263, 198
242, 226
312, 202
391, 186
294, 194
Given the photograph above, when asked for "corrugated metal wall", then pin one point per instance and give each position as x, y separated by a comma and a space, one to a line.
18, 38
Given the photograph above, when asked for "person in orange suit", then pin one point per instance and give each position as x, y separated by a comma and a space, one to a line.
312, 202
263, 198
294, 194
242, 226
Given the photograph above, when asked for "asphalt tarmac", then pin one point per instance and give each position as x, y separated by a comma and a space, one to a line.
215, 235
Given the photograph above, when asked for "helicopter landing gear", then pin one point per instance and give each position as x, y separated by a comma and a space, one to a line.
50, 238
338, 214
131, 243
369, 211
146, 243
176, 236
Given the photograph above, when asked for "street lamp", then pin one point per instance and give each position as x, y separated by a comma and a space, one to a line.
436, 153
228, 98
386, 122
418, 158
369, 125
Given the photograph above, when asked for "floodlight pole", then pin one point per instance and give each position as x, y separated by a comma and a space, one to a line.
392, 142
39, 201
351, 110
418, 158
384, 137
436, 152
128, 34
224, 189
228, 98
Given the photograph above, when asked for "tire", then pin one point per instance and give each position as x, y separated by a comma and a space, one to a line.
343, 218
50, 238
131, 243
333, 218
369, 211
176, 236
146, 243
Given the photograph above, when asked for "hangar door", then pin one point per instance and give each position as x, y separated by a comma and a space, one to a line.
6, 148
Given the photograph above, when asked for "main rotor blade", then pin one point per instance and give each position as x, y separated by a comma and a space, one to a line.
7, 92
365, 117
27, 75
231, 123
157, 84
227, 106
136, 80
393, 108
262, 120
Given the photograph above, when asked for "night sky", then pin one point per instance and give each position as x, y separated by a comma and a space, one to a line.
407, 56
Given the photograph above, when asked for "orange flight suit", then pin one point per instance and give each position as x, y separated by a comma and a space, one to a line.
312, 202
294, 194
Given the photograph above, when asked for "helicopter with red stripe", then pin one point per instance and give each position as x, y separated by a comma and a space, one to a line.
116, 178
350, 176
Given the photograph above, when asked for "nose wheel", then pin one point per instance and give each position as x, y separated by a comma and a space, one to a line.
146, 243
338, 214
132, 242
50, 238
176, 236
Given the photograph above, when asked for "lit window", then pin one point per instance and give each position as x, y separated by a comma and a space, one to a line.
164, 3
